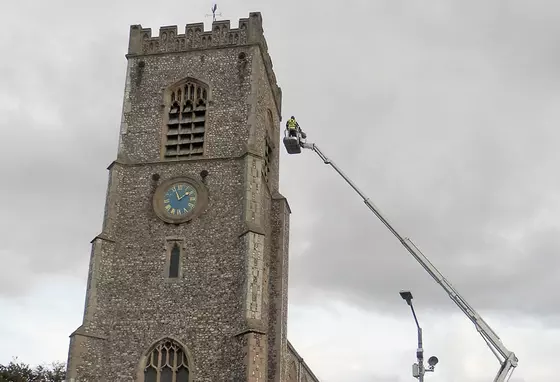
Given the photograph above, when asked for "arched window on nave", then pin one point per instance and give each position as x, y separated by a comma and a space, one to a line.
167, 362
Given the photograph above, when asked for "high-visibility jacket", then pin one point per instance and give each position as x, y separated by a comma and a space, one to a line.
292, 123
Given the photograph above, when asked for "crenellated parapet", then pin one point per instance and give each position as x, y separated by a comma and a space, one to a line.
249, 32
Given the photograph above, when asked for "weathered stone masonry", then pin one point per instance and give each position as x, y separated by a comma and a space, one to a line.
226, 312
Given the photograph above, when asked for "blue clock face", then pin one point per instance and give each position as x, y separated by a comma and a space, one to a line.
179, 199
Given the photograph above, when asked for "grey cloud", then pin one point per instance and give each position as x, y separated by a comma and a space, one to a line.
55, 143
460, 160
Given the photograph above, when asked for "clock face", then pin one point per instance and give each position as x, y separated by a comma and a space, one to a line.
179, 199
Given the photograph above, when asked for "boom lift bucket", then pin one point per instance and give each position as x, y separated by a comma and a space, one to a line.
293, 144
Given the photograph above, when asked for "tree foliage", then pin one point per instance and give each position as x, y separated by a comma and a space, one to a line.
17, 371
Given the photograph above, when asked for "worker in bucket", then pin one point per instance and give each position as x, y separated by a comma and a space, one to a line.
293, 128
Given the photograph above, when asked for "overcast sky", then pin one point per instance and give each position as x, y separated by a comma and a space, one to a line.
444, 112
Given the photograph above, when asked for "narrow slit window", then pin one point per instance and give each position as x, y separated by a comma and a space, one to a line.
292, 372
174, 261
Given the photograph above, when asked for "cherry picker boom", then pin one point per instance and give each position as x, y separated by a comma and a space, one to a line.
508, 360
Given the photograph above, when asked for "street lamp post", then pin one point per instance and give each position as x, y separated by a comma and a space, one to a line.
418, 369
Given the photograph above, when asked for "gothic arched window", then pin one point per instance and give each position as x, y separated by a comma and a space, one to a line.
186, 120
167, 362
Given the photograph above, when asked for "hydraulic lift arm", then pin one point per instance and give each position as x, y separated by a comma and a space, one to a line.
508, 360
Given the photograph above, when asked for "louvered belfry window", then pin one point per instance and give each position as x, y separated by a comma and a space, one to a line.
268, 146
186, 121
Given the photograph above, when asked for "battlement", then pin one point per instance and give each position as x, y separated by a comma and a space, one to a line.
249, 32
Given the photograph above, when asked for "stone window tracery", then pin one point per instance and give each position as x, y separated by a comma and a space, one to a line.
186, 120
167, 362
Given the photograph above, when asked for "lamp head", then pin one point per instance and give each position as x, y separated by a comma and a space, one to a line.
406, 295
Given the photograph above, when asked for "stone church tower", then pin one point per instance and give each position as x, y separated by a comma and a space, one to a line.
188, 278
